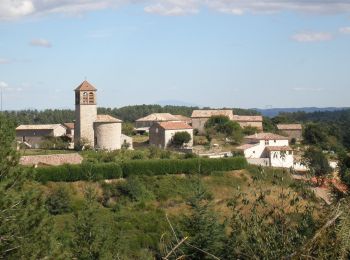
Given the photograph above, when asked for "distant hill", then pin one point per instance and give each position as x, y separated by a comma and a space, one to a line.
272, 112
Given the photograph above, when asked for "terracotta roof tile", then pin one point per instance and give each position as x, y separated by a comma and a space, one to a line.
247, 118
158, 117
85, 86
246, 146
210, 113
107, 119
39, 127
174, 125
266, 136
69, 125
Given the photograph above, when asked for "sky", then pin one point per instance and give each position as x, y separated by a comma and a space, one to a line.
217, 53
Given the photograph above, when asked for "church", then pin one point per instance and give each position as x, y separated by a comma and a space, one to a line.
102, 132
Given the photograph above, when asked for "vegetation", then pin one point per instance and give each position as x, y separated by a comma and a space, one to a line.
317, 163
181, 138
223, 125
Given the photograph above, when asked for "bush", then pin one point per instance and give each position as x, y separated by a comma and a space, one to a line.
188, 166
85, 171
58, 201
181, 138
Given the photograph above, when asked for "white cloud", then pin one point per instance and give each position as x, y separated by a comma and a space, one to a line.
12, 9
173, 7
4, 61
344, 30
312, 37
40, 43
3, 84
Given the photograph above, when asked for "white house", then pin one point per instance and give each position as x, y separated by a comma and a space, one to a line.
268, 149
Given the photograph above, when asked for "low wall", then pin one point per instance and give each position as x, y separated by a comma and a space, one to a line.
51, 159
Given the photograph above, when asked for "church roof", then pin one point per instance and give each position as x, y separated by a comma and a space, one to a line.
107, 119
158, 117
85, 86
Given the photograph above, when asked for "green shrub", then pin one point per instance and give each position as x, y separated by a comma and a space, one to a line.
85, 171
59, 201
100, 171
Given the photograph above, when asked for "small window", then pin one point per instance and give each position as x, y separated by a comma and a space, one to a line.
254, 152
266, 142
157, 130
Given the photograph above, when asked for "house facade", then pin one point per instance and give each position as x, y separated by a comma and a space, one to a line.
268, 149
249, 121
293, 131
161, 134
33, 135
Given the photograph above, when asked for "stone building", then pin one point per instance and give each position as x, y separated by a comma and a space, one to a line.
148, 121
293, 131
102, 132
249, 121
161, 134
200, 117
33, 135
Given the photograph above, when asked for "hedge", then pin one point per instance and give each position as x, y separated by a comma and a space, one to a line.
82, 172
89, 171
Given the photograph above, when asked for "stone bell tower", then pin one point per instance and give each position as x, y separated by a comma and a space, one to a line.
85, 114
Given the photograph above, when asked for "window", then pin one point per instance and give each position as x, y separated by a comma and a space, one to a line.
91, 98
266, 142
157, 130
85, 97
274, 141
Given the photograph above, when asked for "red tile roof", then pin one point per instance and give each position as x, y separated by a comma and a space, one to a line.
266, 136
85, 86
174, 125
246, 146
247, 118
107, 119
210, 113
69, 125
158, 117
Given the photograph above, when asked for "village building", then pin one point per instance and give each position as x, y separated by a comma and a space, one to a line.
200, 117
143, 124
293, 131
185, 119
161, 134
249, 121
33, 135
101, 132
269, 150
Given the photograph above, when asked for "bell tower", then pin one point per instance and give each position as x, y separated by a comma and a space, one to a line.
85, 114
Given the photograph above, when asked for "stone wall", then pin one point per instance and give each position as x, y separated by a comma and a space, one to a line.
85, 116
108, 135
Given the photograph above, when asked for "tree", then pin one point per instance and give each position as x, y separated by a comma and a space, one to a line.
314, 134
181, 138
86, 243
317, 163
128, 129
58, 201
24, 222
223, 125
202, 226
344, 168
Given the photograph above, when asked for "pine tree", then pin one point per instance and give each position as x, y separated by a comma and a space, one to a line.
206, 234
24, 223
86, 243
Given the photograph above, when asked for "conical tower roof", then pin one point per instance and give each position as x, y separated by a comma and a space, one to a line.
85, 86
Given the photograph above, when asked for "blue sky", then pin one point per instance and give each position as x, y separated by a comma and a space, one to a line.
233, 53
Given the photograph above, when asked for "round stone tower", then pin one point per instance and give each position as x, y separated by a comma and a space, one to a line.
85, 114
